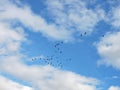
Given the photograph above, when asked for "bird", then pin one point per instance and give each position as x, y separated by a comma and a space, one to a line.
57, 44
32, 59
61, 42
58, 49
81, 35
60, 52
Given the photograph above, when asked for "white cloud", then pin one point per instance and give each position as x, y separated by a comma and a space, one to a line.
113, 3
115, 77
13, 14
114, 88
109, 50
70, 17
10, 39
74, 14
6, 84
47, 77
114, 17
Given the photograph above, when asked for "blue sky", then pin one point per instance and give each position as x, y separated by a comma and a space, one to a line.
90, 33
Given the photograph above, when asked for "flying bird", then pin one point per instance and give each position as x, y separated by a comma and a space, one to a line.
81, 35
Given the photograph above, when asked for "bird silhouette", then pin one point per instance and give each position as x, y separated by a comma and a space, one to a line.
81, 35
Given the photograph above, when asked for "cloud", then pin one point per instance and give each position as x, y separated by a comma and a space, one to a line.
115, 17
74, 15
13, 14
10, 39
6, 84
115, 77
114, 88
113, 3
109, 50
47, 77
68, 18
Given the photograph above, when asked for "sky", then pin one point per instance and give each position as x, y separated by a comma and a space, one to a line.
81, 37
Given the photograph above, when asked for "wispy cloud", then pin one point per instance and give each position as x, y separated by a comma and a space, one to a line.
74, 15
47, 77
13, 14
10, 39
115, 16
114, 88
6, 84
69, 18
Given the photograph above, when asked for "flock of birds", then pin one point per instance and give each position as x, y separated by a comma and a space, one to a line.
83, 34
54, 60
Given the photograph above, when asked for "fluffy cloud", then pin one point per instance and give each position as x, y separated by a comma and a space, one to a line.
113, 3
74, 14
109, 50
46, 77
68, 18
10, 39
115, 17
114, 88
13, 14
6, 84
